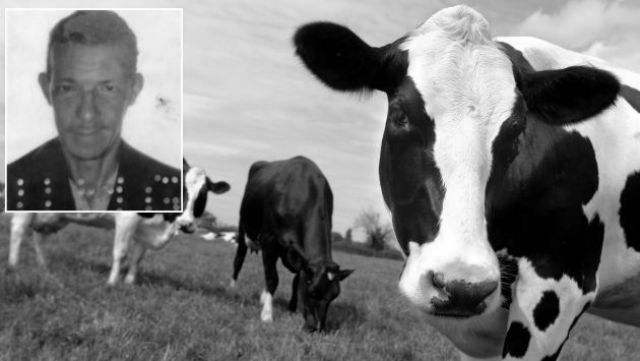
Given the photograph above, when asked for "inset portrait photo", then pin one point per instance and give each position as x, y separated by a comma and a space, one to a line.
93, 109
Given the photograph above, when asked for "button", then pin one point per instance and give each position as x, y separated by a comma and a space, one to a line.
119, 199
20, 181
174, 179
166, 200
156, 177
147, 190
47, 181
47, 203
176, 207
47, 190
20, 192
147, 199
147, 208
120, 180
175, 200
165, 180
119, 189
19, 204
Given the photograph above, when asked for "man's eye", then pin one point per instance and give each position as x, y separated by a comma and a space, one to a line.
64, 88
107, 88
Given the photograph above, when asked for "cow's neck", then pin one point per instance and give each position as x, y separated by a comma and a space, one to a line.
316, 242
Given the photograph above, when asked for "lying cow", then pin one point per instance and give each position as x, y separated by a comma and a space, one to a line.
511, 168
286, 212
139, 230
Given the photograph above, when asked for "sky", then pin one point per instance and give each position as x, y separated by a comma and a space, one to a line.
248, 98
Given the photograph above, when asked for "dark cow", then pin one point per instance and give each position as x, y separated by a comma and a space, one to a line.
139, 230
511, 168
286, 212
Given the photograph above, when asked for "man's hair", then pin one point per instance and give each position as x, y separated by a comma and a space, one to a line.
94, 27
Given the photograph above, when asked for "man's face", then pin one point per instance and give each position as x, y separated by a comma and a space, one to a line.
90, 89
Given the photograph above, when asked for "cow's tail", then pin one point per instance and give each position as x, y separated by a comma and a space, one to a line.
241, 252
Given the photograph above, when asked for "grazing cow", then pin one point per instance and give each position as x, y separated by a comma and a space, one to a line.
286, 212
139, 230
511, 168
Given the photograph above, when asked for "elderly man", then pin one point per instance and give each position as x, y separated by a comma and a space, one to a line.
90, 81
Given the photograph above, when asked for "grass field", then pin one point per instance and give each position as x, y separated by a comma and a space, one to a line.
182, 309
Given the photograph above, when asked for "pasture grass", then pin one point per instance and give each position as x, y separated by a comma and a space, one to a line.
182, 309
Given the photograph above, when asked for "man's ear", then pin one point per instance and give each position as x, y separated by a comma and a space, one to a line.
569, 95
43, 80
138, 83
218, 187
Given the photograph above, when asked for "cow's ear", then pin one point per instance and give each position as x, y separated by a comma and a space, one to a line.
343, 61
339, 275
569, 95
218, 187
185, 165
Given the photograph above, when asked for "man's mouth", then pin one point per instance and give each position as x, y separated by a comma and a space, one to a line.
86, 131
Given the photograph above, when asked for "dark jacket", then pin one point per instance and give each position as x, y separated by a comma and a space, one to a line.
40, 181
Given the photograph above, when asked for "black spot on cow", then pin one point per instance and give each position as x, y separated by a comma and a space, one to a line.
632, 96
630, 211
547, 310
517, 340
555, 355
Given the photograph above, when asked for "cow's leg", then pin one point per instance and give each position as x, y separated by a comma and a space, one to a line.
269, 260
19, 229
241, 253
37, 237
293, 303
137, 252
543, 312
126, 225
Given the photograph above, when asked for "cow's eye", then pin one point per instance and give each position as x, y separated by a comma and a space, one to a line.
399, 118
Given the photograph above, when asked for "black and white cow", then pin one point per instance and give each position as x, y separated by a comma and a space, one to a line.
286, 212
511, 168
138, 230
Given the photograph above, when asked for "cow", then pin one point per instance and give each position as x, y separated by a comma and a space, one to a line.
286, 213
138, 230
511, 168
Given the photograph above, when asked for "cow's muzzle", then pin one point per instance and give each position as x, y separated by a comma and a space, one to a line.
460, 299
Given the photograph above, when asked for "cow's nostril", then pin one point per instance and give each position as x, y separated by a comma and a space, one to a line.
470, 294
437, 278
482, 290
460, 298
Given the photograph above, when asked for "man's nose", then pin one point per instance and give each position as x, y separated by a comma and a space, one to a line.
87, 109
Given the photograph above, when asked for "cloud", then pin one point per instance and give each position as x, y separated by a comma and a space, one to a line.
582, 22
606, 29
